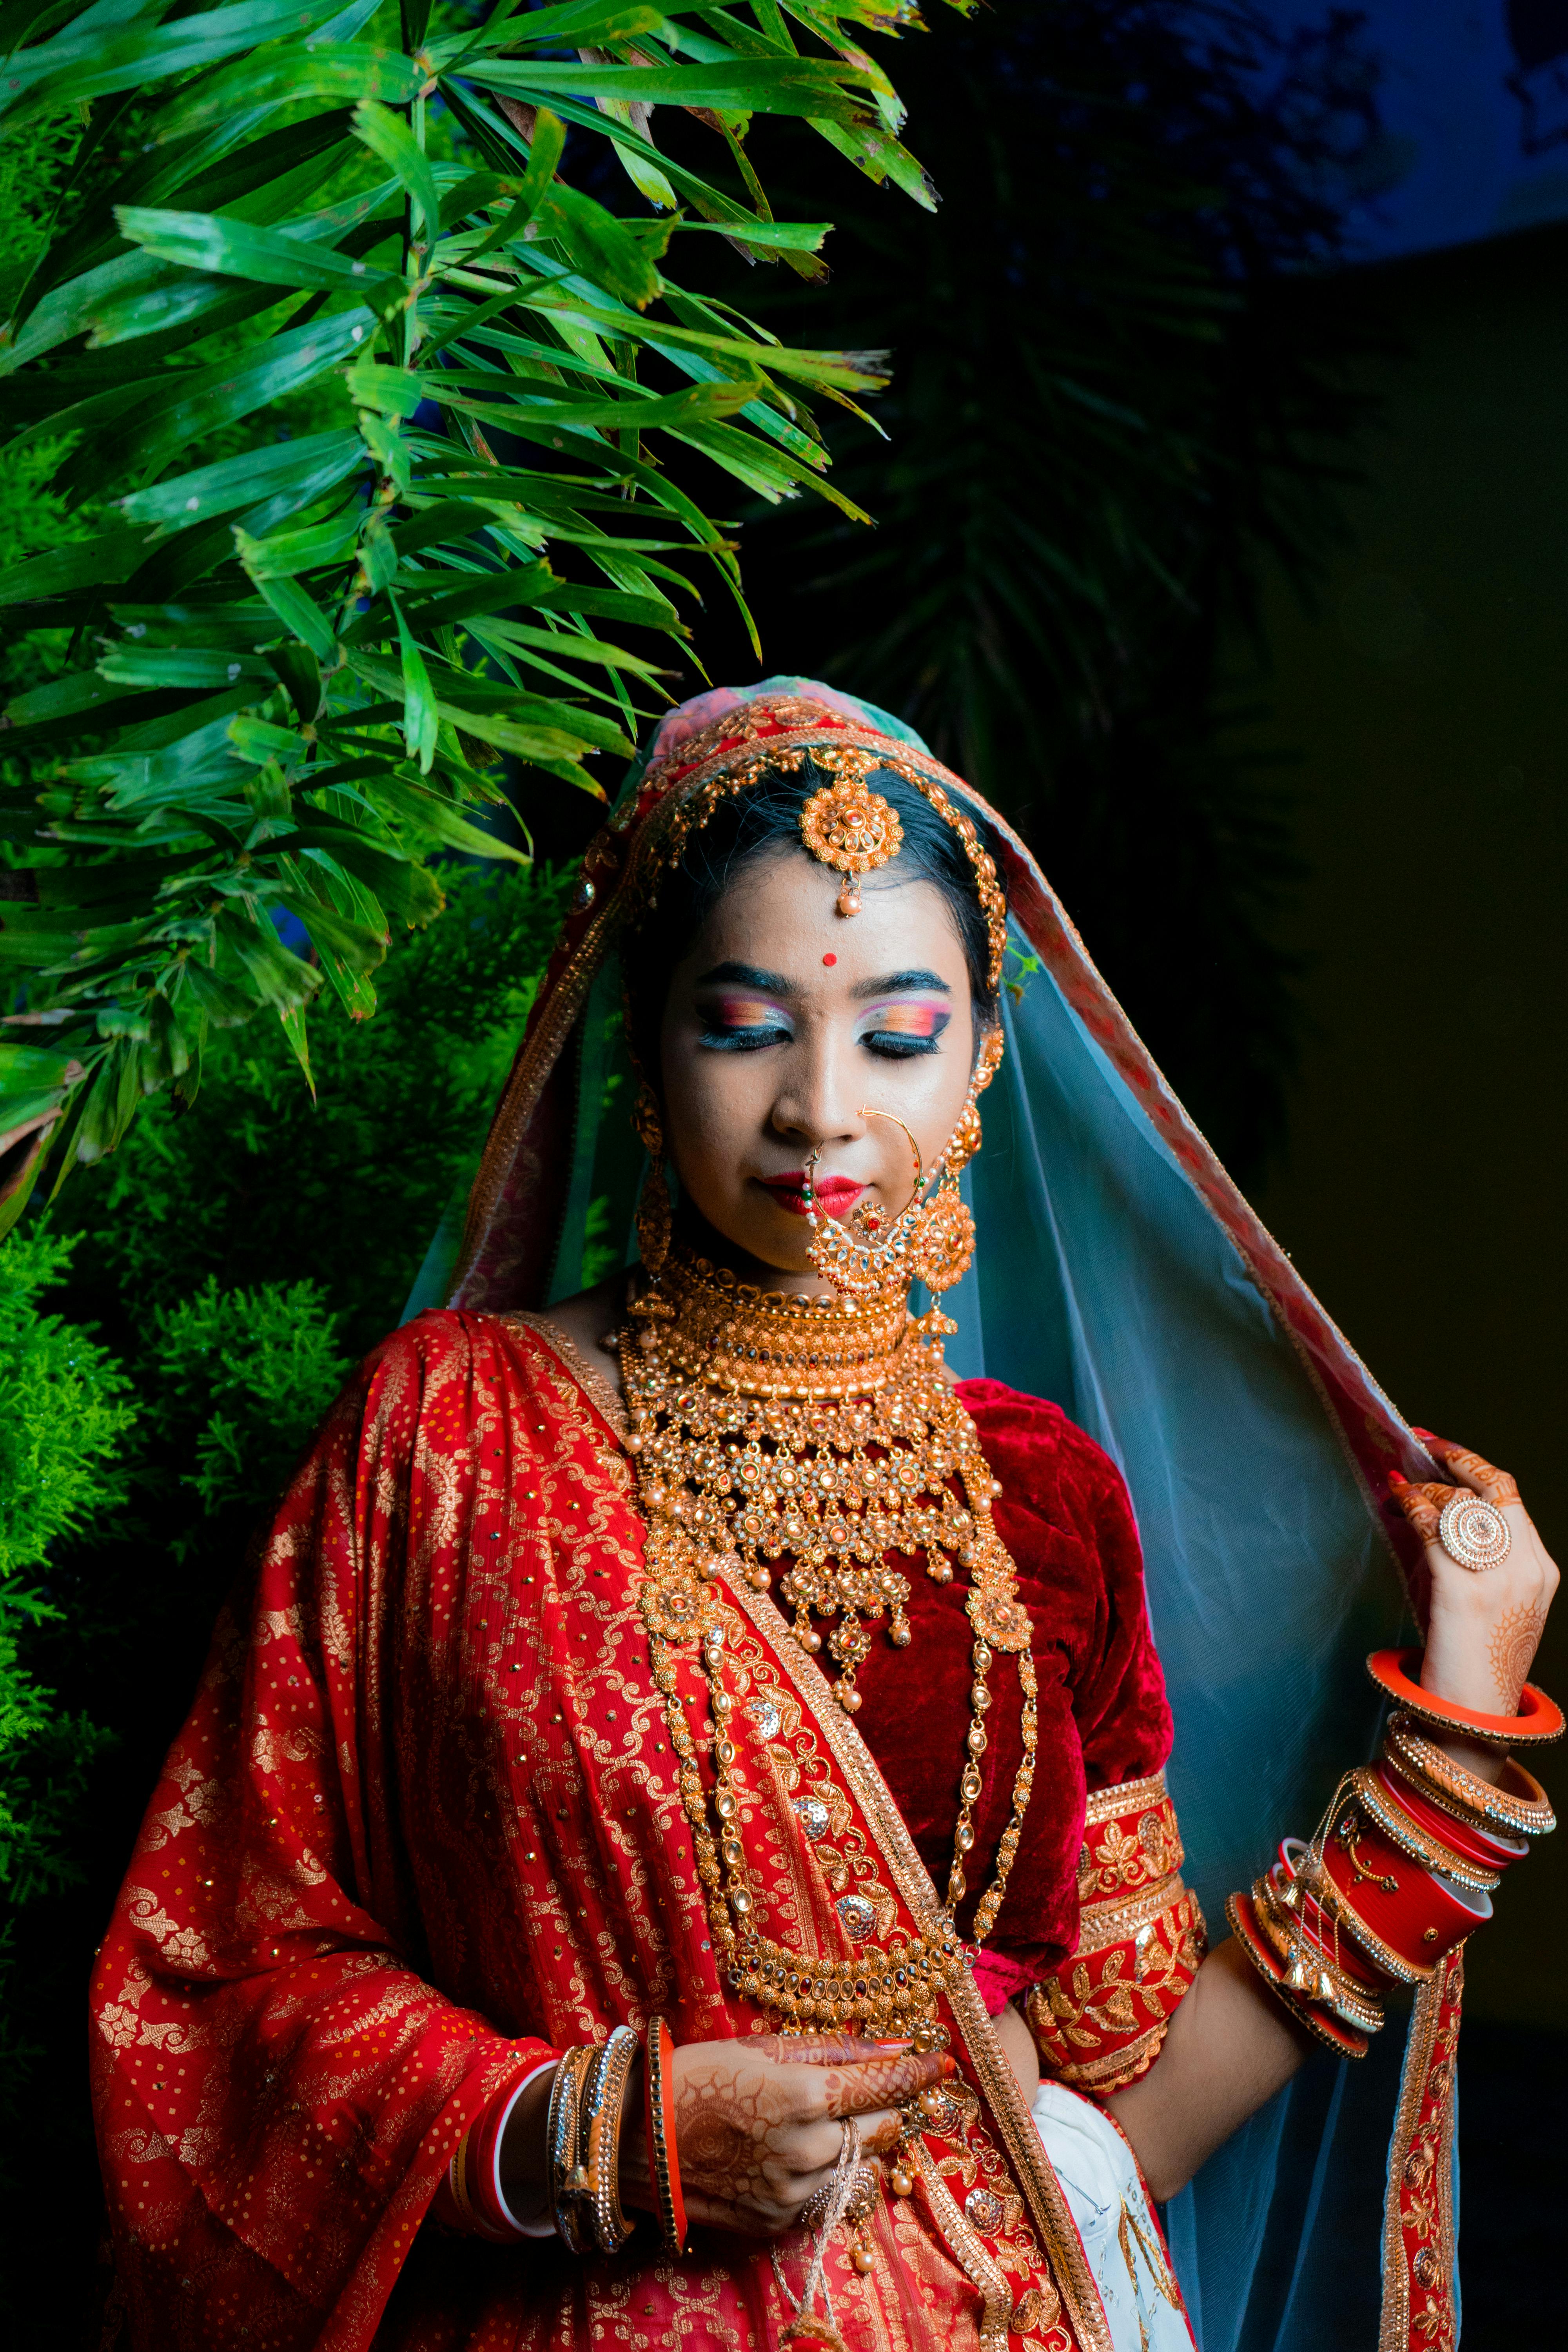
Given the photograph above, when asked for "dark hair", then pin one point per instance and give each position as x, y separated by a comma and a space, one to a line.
765, 818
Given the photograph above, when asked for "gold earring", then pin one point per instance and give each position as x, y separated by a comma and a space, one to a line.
967, 1135
943, 1251
944, 1244
654, 1219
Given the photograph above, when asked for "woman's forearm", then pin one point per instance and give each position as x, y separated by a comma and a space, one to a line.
1229, 2048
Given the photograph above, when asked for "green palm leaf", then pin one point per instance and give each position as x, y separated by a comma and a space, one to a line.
372, 432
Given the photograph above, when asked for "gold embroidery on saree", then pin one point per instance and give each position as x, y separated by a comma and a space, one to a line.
1067, 2268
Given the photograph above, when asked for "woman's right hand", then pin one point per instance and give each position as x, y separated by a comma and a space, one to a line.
758, 2122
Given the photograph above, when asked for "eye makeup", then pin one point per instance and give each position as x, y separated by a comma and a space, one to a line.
737, 1020
910, 1019
909, 1026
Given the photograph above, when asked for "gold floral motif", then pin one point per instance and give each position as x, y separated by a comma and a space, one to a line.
944, 1246
1099, 2018
1131, 1840
676, 1609
841, 1856
1037, 2309
1001, 1621
1418, 2217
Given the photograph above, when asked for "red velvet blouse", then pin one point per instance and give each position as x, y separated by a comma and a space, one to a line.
1065, 1516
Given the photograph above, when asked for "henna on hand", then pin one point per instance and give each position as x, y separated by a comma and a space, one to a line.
1516, 1637
1481, 1476
758, 2126
748, 2154
1482, 1628
869, 2084
822, 2049
1423, 1506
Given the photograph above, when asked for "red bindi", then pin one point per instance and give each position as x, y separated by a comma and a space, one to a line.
830, 959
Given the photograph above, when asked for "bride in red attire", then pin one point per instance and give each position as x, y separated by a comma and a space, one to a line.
675, 1846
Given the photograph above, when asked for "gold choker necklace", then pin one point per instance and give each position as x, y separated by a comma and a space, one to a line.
823, 1432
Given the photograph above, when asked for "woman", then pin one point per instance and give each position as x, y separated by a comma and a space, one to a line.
687, 1756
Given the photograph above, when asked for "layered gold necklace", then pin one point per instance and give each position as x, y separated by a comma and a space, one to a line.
823, 1434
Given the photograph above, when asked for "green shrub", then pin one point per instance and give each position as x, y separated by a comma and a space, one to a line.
238, 1255
251, 1373
65, 1414
258, 1182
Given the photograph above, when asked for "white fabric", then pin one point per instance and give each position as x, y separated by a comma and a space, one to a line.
1101, 2183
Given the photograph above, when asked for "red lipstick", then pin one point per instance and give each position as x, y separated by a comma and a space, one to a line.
834, 1193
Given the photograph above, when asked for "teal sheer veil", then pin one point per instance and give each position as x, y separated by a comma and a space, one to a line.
1119, 1273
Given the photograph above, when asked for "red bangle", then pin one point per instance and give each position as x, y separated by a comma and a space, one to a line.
467, 2199
663, 2158
1538, 1718
1319, 1929
1483, 1846
1392, 1905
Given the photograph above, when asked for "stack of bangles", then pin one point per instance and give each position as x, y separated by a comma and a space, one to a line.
583, 2139
1404, 1865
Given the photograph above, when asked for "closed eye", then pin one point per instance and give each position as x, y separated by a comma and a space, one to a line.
897, 1032
742, 1023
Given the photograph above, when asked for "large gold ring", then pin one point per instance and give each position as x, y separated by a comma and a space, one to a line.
1474, 1533
864, 1224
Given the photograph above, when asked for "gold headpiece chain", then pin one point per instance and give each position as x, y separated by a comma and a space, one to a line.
846, 825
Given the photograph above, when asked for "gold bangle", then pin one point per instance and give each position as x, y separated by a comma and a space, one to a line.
1460, 1794
1344, 2040
1411, 1839
457, 2181
568, 2181
599, 2137
1334, 1990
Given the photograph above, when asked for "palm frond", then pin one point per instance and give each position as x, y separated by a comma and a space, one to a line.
374, 417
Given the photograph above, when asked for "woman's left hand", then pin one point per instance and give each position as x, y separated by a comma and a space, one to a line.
1484, 1626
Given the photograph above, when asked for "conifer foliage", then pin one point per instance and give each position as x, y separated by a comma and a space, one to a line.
376, 423
65, 1413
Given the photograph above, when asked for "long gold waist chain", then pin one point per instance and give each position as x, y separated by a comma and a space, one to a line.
768, 1428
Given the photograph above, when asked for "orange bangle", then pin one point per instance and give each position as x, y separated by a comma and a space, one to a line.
663, 2160
1540, 1719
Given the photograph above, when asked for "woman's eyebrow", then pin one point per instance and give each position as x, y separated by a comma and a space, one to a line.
892, 983
746, 975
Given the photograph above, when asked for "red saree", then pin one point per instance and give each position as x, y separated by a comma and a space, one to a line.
423, 1829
